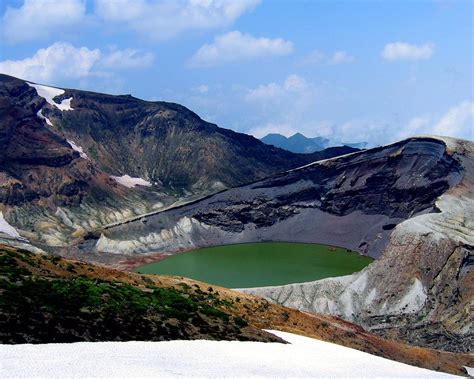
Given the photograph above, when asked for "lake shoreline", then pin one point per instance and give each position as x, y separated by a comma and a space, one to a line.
131, 264
253, 264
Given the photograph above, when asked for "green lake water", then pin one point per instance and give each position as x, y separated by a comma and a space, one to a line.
260, 264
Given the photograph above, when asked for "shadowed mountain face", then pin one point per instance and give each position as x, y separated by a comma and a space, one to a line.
57, 162
116, 180
421, 289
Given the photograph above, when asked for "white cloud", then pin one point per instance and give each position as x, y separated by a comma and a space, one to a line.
127, 58
154, 19
58, 61
406, 51
264, 92
37, 19
202, 88
341, 57
161, 20
457, 122
283, 107
236, 46
64, 61
417, 125
295, 83
332, 59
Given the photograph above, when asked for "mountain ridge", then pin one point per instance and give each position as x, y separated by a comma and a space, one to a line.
299, 143
360, 201
70, 168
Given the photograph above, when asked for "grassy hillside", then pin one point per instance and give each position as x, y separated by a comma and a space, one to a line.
45, 298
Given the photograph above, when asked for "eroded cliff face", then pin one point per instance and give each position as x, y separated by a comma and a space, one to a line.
353, 201
72, 162
422, 288
409, 204
50, 191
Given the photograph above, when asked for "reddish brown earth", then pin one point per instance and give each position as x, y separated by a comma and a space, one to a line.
261, 314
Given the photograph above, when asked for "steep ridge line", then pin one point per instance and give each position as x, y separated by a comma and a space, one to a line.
53, 195
321, 203
421, 251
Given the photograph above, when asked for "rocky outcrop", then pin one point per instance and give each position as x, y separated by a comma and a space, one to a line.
63, 154
48, 191
421, 289
409, 204
353, 201
48, 299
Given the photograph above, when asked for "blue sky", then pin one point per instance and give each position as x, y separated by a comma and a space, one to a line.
374, 71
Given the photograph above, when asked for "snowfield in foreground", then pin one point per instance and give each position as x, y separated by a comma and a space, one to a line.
305, 357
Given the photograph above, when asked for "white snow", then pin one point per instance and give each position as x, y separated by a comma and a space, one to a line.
130, 182
77, 148
470, 370
49, 93
6, 228
40, 115
304, 357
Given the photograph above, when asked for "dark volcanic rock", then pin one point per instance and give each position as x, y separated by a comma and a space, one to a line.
353, 201
166, 144
421, 289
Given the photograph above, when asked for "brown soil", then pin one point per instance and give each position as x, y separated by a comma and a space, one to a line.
261, 314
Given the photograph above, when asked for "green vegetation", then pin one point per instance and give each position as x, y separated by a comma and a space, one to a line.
58, 308
260, 264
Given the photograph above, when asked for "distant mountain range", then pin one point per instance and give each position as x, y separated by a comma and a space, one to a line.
298, 143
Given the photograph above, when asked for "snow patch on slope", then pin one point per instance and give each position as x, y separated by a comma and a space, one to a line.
470, 370
6, 228
49, 93
130, 182
77, 148
303, 357
40, 115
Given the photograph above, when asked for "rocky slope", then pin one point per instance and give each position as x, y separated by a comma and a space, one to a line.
421, 290
72, 161
49, 299
408, 204
353, 201
114, 179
